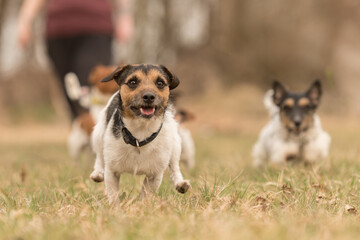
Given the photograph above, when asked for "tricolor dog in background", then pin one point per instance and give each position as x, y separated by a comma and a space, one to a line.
137, 132
94, 99
294, 131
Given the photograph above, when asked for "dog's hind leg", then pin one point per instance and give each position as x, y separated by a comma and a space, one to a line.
151, 185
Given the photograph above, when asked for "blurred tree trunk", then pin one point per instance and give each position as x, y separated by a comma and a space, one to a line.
147, 46
260, 40
3, 4
163, 26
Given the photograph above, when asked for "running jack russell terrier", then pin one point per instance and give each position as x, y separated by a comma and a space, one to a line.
137, 132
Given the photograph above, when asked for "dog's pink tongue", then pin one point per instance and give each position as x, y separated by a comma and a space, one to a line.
147, 111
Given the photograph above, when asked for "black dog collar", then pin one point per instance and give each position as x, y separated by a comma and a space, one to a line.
130, 139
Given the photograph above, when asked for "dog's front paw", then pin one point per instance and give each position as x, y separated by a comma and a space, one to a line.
97, 176
183, 187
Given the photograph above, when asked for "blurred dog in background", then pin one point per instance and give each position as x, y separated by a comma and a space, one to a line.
94, 99
294, 131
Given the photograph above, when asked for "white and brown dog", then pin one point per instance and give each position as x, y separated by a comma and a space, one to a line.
137, 132
294, 131
94, 99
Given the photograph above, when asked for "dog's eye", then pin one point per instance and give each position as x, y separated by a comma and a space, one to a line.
160, 83
287, 108
132, 83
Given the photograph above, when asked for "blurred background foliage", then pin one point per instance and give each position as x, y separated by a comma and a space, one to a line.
209, 44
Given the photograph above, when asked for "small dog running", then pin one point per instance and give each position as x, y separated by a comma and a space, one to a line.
294, 131
137, 132
95, 99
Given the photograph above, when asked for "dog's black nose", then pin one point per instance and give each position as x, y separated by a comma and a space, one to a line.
148, 97
297, 123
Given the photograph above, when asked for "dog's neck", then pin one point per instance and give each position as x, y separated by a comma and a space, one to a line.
142, 128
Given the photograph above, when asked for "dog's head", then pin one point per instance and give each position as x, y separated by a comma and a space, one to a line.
100, 72
144, 89
297, 109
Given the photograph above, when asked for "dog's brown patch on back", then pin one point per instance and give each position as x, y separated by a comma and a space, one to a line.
303, 102
99, 73
87, 123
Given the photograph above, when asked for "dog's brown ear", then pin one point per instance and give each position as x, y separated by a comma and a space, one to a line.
172, 79
118, 75
279, 92
315, 91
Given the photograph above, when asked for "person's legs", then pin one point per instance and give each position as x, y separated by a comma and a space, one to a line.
60, 51
90, 51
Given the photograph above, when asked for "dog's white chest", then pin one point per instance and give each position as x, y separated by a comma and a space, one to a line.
149, 159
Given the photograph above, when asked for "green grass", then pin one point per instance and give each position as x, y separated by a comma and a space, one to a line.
228, 200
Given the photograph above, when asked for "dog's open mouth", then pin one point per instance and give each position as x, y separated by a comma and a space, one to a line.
297, 130
147, 111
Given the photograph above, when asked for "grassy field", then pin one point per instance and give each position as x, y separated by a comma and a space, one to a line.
46, 195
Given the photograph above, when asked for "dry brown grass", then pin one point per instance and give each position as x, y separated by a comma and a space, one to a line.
46, 195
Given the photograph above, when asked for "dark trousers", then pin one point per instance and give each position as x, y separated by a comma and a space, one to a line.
78, 55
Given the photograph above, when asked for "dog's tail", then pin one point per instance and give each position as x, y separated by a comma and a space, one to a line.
183, 115
269, 103
75, 91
